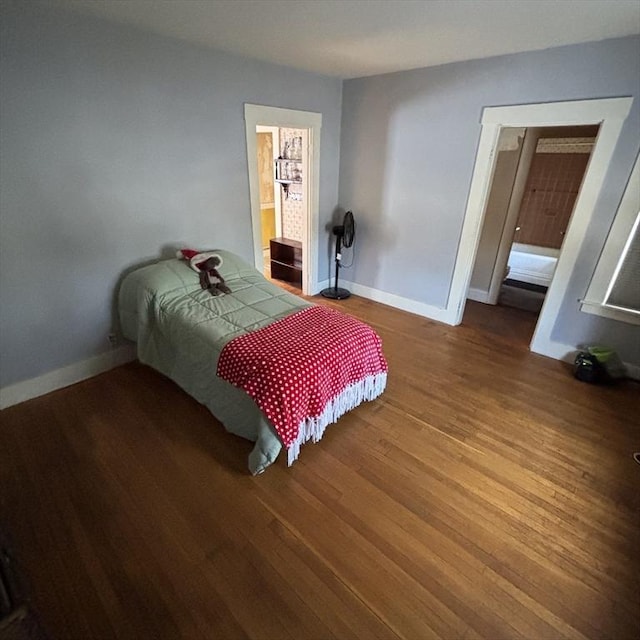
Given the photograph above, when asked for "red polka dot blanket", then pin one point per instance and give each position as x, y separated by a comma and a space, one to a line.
306, 370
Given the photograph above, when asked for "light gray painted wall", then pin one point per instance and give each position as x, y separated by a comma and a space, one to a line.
409, 142
116, 143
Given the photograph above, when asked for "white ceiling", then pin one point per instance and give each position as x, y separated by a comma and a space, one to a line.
352, 38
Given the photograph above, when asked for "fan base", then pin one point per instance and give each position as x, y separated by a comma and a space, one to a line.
335, 293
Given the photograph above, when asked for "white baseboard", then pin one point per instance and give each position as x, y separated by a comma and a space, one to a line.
633, 371
567, 353
391, 299
21, 391
28, 389
555, 350
478, 295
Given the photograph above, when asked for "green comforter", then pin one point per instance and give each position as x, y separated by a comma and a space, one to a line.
180, 330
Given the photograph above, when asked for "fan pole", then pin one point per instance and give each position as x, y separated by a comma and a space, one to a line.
335, 292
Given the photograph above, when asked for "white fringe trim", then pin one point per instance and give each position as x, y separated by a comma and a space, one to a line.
312, 428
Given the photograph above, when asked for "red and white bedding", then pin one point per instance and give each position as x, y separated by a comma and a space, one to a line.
306, 370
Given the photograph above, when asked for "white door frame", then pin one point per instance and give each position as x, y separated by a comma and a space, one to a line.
255, 115
610, 114
277, 203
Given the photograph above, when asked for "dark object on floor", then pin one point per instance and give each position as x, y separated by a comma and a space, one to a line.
636, 456
518, 284
21, 625
587, 368
610, 362
522, 295
17, 620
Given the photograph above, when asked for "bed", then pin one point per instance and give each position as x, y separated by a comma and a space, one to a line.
197, 339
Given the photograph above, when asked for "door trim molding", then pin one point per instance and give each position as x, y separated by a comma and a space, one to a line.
255, 115
610, 114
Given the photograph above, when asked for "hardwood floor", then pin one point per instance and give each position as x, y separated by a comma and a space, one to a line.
486, 494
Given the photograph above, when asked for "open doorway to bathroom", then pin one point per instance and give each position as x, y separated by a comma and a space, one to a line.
537, 178
295, 161
283, 205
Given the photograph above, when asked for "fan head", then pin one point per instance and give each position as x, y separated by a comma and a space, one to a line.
347, 230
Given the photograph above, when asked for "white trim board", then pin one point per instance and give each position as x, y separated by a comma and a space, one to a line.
255, 115
620, 235
610, 114
599, 309
567, 353
557, 350
390, 299
73, 373
633, 371
478, 295
28, 389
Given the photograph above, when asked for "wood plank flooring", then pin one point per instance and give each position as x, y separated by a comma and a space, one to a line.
486, 494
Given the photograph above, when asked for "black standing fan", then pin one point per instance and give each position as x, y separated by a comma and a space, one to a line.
345, 235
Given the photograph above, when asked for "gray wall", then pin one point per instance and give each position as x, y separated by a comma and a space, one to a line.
116, 143
409, 142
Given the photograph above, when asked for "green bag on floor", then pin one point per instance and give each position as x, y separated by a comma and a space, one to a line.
609, 360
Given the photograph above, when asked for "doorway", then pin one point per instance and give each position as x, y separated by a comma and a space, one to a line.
283, 206
303, 179
537, 178
610, 114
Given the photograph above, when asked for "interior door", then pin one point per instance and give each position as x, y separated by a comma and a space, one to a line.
552, 187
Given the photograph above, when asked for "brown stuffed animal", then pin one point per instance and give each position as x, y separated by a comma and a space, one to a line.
210, 277
206, 264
